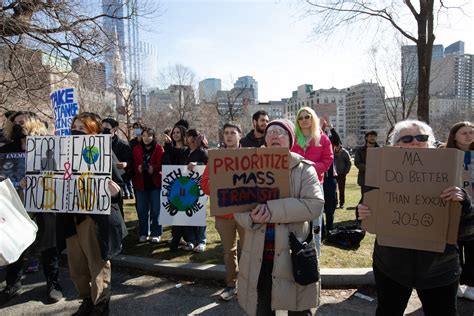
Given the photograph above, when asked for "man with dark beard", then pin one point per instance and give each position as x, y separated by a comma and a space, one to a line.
255, 138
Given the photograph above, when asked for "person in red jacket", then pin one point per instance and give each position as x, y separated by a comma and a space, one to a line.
226, 226
314, 145
147, 158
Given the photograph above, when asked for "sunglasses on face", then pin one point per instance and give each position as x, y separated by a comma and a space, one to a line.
409, 138
278, 132
306, 117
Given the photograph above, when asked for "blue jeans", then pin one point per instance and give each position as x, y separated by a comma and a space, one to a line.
196, 234
148, 209
127, 188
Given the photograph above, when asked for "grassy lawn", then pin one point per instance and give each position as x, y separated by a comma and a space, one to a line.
331, 257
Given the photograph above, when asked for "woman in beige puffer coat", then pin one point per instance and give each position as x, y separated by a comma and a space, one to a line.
265, 277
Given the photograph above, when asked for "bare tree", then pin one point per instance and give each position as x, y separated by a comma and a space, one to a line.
386, 63
336, 13
181, 81
35, 31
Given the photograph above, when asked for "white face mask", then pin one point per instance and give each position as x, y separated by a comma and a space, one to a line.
138, 131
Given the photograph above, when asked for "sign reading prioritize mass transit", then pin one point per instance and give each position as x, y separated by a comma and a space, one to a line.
12, 166
407, 211
65, 107
68, 174
241, 178
182, 201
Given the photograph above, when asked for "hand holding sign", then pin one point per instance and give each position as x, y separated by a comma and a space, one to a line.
364, 212
261, 214
453, 194
114, 188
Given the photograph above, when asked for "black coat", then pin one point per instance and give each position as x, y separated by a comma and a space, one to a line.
174, 155
123, 152
422, 269
199, 155
251, 141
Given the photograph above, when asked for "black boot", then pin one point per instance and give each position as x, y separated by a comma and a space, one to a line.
55, 292
9, 292
86, 307
101, 309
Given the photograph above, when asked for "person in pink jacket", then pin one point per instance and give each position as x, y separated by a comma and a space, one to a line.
314, 145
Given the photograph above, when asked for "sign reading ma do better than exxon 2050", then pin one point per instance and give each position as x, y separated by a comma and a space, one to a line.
68, 174
65, 107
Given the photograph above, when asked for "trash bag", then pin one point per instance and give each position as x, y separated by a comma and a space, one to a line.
346, 237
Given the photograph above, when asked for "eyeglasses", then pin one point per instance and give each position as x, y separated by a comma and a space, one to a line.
409, 138
306, 117
277, 131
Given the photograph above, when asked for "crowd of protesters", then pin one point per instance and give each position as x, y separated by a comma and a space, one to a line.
262, 279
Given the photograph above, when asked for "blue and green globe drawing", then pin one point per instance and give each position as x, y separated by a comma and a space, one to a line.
90, 154
184, 193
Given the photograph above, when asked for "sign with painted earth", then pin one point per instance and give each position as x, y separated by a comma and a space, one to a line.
182, 201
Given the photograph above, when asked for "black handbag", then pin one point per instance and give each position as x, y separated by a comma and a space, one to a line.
304, 259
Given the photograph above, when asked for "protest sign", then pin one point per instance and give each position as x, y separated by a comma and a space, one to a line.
407, 211
468, 172
241, 178
65, 107
12, 166
182, 201
68, 174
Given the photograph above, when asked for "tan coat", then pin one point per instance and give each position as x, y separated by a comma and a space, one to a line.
290, 215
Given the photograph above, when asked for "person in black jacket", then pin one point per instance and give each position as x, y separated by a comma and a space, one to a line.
196, 154
434, 275
360, 158
256, 137
330, 183
123, 152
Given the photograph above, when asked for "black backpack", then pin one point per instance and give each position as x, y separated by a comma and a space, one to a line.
346, 237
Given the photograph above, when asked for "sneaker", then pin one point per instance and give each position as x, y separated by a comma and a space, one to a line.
341, 206
86, 308
9, 292
155, 239
33, 265
200, 248
55, 293
143, 238
469, 293
101, 309
228, 293
189, 246
460, 291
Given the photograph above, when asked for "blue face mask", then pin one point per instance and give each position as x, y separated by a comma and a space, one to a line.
138, 131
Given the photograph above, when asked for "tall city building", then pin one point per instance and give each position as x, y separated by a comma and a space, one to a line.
114, 28
208, 89
275, 109
409, 83
91, 74
248, 82
455, 48
452, 77
365, 112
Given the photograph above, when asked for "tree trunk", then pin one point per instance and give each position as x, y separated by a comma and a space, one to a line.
424, 52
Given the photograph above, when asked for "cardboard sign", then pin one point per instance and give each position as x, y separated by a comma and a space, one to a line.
65, 107
468, 173
68, 174
407, 211
12, 166
241, 178
182, 201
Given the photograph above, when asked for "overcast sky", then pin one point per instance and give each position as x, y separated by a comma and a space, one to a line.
270, 41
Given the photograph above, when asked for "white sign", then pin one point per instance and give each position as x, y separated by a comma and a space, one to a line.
182, 201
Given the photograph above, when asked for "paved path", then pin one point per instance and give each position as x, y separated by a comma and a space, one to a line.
137, 294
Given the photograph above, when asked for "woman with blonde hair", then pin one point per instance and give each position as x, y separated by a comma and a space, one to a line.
314, 145
20, 125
